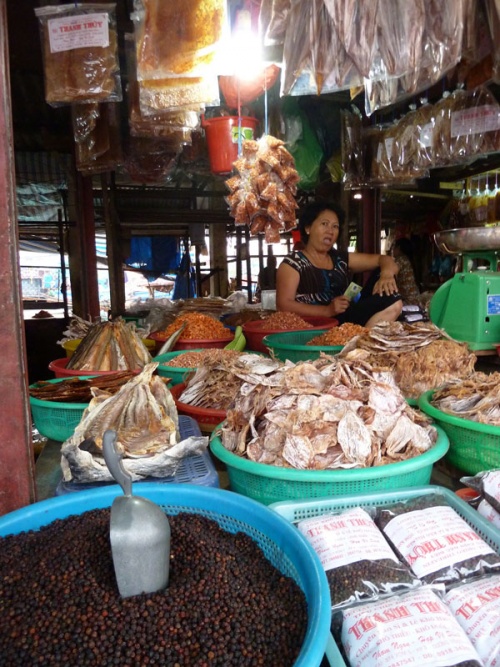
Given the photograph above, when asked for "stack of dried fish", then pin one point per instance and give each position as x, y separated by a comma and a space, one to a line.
144, 415
477, 398
420, 355
77, 390
110, 346
323, 415
263, 193
218, 381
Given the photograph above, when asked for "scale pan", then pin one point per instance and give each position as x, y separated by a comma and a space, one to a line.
456, 241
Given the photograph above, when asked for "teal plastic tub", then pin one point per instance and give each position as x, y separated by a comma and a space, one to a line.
56, 420
295, 511
177, 374
269, 484
292, 345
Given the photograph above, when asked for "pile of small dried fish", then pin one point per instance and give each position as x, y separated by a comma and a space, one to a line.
198, 327
323, 415
420, 355
477, 398
283, 320
338, 335
217, 382
110, 346
78, 390
194, 358
144, 415
262, 195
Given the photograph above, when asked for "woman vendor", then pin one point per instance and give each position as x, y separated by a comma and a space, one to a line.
313, 281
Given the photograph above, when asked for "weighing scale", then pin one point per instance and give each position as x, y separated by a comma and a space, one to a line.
467, 306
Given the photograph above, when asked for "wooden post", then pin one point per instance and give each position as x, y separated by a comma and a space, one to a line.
17, 463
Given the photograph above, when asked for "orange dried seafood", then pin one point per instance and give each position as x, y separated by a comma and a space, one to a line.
262, 195
198, 327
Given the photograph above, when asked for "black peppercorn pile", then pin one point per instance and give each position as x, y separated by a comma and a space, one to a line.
225, 604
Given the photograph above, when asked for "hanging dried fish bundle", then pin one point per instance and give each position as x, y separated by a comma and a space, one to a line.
324, 415
110, 346
420, 355
263, 193
144, 416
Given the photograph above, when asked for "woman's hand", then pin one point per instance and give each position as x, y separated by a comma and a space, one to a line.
339, 305
386, 284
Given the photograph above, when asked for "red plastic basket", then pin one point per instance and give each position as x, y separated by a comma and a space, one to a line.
255, 331
192, 344
58, 367
206, 418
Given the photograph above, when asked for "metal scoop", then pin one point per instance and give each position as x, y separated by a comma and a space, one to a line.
139, 533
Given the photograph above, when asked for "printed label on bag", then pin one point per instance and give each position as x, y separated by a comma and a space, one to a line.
411, 630
474, 121
434, 538
246, 133
346, 538
75, 32
477, 609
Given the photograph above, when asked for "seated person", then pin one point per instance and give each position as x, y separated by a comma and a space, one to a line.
312, 281
402, 252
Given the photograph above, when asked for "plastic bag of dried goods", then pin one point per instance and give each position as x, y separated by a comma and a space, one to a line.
476, 606
416, 628
489, 513
80, 53
444, 138
487, 483
353, 166
434, 540
406, 146
425, 121
178, 38
273, 19
358, 562
96, 132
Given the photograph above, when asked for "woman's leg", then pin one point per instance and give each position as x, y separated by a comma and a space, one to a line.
389, 314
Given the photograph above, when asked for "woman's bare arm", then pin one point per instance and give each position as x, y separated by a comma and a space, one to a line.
287, 282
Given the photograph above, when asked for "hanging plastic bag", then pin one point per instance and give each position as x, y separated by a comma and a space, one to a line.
80, 53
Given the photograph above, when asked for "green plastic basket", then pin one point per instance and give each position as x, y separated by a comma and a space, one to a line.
54, 419
474, 447
269, 484
292, 345
177, 374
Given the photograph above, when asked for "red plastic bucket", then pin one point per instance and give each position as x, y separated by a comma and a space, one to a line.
222, 139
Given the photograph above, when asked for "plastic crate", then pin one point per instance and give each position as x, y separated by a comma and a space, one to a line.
269, 484
297, 511
474, 447
280, 542
192, 469
56, 420
206, 418
177, 374
292, 345
257, 330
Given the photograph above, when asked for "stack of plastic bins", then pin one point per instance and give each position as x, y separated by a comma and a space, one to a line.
192, 470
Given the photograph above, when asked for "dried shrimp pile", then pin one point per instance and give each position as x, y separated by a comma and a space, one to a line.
324, 415
76, 390
338, 335
420, 355
263, 193
216, 383
195, 359
285, 320
477, 398
198, 327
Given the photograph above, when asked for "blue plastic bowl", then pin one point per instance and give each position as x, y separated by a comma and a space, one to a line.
280, 541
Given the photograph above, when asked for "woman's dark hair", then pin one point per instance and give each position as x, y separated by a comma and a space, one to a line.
406, 246
311, 211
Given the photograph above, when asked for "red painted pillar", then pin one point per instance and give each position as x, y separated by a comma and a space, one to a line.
17, 476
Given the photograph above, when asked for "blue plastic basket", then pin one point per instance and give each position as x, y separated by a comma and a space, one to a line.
281, 543
192, 469
295, 511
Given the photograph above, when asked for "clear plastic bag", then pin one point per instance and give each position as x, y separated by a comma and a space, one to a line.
476, 606
177, 38
487, 483
437, 544
96, 130
80, 53
273, 18
416, 628
353, 166
358, 562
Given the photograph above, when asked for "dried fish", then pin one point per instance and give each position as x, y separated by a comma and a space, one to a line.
476, 399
